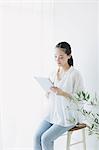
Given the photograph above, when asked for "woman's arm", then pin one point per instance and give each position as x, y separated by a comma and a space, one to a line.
59, 91
65, 94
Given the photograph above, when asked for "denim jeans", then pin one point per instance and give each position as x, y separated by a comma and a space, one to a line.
46, 134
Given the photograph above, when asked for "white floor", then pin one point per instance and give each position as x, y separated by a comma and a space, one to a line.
60, 144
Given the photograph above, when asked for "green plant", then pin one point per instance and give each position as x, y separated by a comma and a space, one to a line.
83, 99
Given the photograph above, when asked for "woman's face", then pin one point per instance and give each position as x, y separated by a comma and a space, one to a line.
60, 57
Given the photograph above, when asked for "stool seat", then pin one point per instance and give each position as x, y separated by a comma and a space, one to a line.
69, 133
78, 126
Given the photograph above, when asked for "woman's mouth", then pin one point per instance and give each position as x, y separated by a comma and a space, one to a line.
58, 63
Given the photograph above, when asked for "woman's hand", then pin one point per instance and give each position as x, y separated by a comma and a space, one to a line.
57, 90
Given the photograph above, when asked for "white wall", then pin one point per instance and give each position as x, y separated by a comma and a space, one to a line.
30, 32
98, 46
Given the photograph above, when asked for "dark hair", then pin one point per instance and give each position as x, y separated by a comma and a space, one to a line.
67, 49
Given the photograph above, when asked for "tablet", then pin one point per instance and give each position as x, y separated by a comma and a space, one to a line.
44, 82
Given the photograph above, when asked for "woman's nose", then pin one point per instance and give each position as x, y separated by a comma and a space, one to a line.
57, 59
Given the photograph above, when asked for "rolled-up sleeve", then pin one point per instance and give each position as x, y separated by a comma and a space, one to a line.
78, 83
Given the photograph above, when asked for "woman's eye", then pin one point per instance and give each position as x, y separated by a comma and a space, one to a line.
61, 57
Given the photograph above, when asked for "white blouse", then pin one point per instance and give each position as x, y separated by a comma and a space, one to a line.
63, 111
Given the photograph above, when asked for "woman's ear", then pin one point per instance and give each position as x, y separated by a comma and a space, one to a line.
69, 56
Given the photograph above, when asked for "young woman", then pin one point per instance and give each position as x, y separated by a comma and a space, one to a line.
62, 114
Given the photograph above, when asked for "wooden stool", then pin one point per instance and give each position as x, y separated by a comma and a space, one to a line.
69, 133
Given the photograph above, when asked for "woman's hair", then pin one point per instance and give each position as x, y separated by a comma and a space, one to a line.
67, 49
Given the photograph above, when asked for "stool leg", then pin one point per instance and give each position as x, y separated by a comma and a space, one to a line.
68, 140
84, 139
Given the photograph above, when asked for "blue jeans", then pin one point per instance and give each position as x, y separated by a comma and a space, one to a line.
46, 134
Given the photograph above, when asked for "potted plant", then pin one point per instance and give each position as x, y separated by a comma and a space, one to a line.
89, 107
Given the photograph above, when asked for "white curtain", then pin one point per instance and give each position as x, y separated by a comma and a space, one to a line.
27, 43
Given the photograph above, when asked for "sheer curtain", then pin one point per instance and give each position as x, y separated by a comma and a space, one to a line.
29, 32
27, 43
